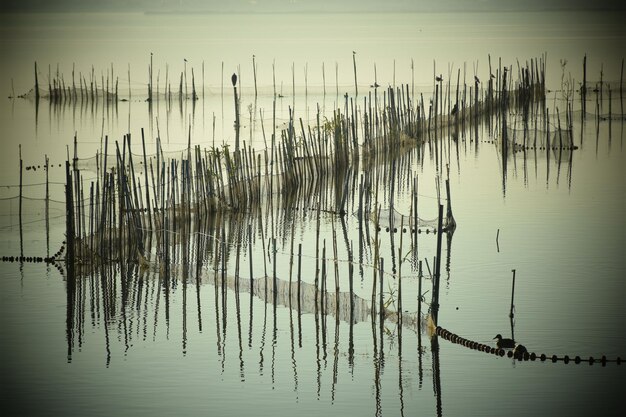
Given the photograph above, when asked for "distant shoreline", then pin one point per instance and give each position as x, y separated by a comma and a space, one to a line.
366, 9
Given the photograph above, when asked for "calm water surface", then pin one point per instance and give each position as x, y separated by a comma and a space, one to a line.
561, 226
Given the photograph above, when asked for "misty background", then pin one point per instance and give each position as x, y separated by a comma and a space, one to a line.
297, 6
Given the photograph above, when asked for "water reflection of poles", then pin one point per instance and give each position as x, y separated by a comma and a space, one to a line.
299, 295
216, 283
238, 313
199, 252
323, 302
317, 349
400, 384
511, 313
294, 364
261, 355
437, 274
336, 354
47, 168
434, 347
185, 277
106, 307
377, 369
70, 307
223, 286
251, 283
20, 207
420, 369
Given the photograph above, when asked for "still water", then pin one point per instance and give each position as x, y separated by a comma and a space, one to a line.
559, 222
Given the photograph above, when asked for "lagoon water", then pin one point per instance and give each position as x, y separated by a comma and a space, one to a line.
560, 219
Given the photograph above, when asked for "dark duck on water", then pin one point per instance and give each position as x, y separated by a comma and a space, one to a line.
503, 343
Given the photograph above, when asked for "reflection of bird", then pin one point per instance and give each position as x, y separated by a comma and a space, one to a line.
439, 78
504, 343
234, 79
476, 79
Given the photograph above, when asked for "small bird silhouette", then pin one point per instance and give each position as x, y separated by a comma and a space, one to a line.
439, 78
234, 79
504, 343
375, 85
455, 109
476, 79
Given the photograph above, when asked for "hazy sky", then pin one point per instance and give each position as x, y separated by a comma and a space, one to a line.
304, 5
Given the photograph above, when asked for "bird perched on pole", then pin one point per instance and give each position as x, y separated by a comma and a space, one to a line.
234, 79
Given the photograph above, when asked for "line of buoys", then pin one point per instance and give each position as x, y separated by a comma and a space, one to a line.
36, 259
405, 230
36, 167
519, 148
520, 354
30, 259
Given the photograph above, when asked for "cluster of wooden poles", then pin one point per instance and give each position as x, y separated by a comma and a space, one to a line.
133, 197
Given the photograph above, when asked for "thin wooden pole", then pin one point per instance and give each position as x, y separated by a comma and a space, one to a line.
511, 314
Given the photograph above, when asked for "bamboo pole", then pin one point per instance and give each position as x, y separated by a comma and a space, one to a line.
511, 314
